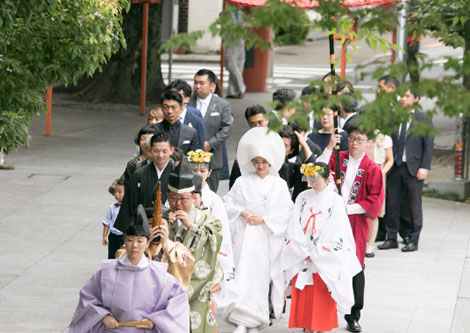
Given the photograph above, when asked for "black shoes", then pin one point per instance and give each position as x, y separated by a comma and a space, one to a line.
410, 247
406, 240
353, 326
388, 244
370, 254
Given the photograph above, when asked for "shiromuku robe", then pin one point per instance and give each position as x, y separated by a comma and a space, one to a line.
319, 228
367, 191
257, 248
132, 293
215, 206
203, 239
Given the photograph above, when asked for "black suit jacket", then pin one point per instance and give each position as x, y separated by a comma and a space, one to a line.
218, 125
141, 189
418, 148
187, 137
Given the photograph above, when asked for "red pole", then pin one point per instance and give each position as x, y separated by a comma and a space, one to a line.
394, 41
143, 74
49, 111
222, 61
344, 49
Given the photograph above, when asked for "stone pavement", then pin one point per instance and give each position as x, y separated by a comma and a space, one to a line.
52, 205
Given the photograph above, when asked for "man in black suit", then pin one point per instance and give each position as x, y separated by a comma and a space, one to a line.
182, 136
142, 186
348, 108
217, 120
412, 155
189, 116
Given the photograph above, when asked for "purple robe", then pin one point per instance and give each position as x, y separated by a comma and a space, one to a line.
132, 293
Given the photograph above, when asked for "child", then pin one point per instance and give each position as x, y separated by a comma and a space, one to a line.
155, 116
114, 239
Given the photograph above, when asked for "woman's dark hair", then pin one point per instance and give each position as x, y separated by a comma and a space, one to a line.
147, 129
345, 83
287, 132
326, 171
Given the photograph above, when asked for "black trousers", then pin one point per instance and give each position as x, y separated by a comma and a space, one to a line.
213, 180
400, 184
114, 243
359, 283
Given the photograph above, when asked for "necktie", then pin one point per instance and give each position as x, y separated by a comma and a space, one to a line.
401, 144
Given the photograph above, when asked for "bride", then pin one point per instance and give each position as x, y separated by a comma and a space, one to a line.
258, 208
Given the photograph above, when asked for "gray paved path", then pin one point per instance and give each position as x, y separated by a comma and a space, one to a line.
52, 204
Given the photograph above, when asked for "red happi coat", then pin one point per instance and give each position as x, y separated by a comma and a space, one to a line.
367, 191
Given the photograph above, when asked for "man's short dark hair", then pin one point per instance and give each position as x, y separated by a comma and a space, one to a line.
415, 91
282, 97
335, 77
171, 95
308, 90
355, 126
160, 137
349, 103
210, 75
389, 81
144, 130
253, 110
180, 85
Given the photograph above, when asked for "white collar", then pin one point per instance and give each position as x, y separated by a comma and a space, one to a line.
142, 263
205, 100
159, 172
183, 115
354, 161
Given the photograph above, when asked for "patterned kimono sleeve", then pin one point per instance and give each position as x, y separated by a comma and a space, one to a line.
180, 262
203, 239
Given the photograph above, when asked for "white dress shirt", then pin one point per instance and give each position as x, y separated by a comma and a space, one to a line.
203, 104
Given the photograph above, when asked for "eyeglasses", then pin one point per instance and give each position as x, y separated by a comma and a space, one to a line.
181, 199
358, 140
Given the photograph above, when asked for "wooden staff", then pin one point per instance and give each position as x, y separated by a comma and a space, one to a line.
141, 324
157, 207
335, 112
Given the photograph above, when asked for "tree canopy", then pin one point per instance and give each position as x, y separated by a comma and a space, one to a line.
45, 42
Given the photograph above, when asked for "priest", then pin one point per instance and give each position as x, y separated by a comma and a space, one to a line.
132, 293
201, 233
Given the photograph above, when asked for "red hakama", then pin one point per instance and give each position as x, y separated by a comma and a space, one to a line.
313, 307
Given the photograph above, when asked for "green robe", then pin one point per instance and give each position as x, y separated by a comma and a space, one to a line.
203, 239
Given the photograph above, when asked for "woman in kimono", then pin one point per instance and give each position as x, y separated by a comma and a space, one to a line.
319, 255
258, 207
132, 294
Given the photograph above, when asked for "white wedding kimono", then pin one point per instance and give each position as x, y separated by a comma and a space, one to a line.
257, 248
215, 206
320, 229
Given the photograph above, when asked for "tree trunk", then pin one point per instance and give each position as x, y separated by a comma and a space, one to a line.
120, 79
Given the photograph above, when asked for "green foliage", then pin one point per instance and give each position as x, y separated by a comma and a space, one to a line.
181, 41
295, 31
44, 42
